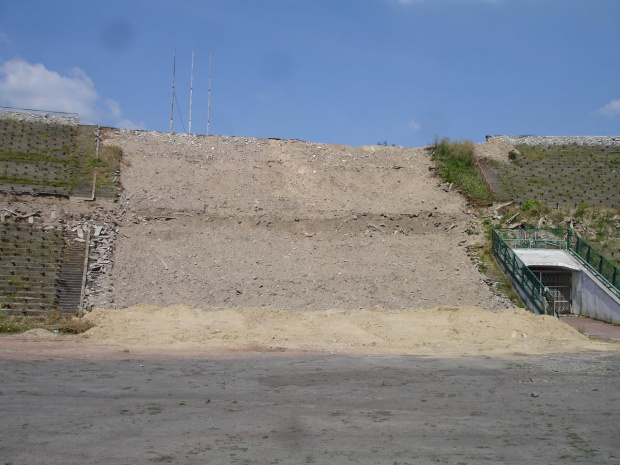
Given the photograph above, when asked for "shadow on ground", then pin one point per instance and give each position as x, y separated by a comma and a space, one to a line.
260, 409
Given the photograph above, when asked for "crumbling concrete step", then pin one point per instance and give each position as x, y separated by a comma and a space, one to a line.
47, 297
29, 262
40, 276
27, 308
30, 189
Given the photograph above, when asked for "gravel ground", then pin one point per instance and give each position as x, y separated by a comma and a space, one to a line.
98, 407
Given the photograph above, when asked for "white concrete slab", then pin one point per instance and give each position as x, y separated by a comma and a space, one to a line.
548, 258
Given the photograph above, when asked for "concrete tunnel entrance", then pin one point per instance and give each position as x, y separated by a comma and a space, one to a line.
560, 283
558, 271
575, 289
577, 285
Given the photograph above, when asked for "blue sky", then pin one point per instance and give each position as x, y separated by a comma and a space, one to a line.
333, 71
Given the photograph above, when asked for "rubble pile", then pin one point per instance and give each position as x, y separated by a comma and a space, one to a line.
100, 231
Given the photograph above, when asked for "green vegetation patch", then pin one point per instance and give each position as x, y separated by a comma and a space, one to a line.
44, 157
34, 157
51, 321
36, 182
456, 164
560, 175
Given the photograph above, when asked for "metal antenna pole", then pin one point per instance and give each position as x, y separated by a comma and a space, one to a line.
174, 61
209, 100
191, 91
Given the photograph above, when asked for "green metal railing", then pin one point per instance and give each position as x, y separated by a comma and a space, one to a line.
531, 238
564, 239
537, 295
607, 272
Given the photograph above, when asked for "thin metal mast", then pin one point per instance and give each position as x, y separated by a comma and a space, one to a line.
191, 92
174, 61
209, 99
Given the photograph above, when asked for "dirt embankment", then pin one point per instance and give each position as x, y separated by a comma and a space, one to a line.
237, 222
495, 149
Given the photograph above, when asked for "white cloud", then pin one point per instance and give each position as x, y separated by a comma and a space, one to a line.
23, 85
125, 123
33, 86
114, 108
611, 109
415, 125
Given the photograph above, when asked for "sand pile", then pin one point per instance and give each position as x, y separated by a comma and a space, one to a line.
442, 331
39, 333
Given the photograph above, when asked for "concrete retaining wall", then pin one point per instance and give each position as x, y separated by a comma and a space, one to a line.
524, 296
70, 119
593, 300
603, 141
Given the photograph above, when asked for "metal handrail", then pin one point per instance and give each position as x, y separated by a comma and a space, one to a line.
565, 239
43, 112
606, 271
539, 295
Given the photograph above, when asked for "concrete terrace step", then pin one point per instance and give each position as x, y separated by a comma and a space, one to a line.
22, 285
25, 235
29, 250
27, 259
42, 282
40, 270
26, 309
25, 298
26, 301
30, 189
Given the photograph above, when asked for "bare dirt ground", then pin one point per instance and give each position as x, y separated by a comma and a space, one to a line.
494, 149
236, 222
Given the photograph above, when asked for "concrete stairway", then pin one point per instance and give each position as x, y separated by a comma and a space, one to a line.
71, 274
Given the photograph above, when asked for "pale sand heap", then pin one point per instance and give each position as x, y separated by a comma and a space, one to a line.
441, 331
39, 333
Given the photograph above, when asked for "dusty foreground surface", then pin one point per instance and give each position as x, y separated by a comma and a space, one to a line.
99, 406
258, 386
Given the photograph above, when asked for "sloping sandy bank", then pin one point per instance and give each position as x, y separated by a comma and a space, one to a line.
441, 331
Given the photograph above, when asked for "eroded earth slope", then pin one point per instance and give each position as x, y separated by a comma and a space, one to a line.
226, 222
